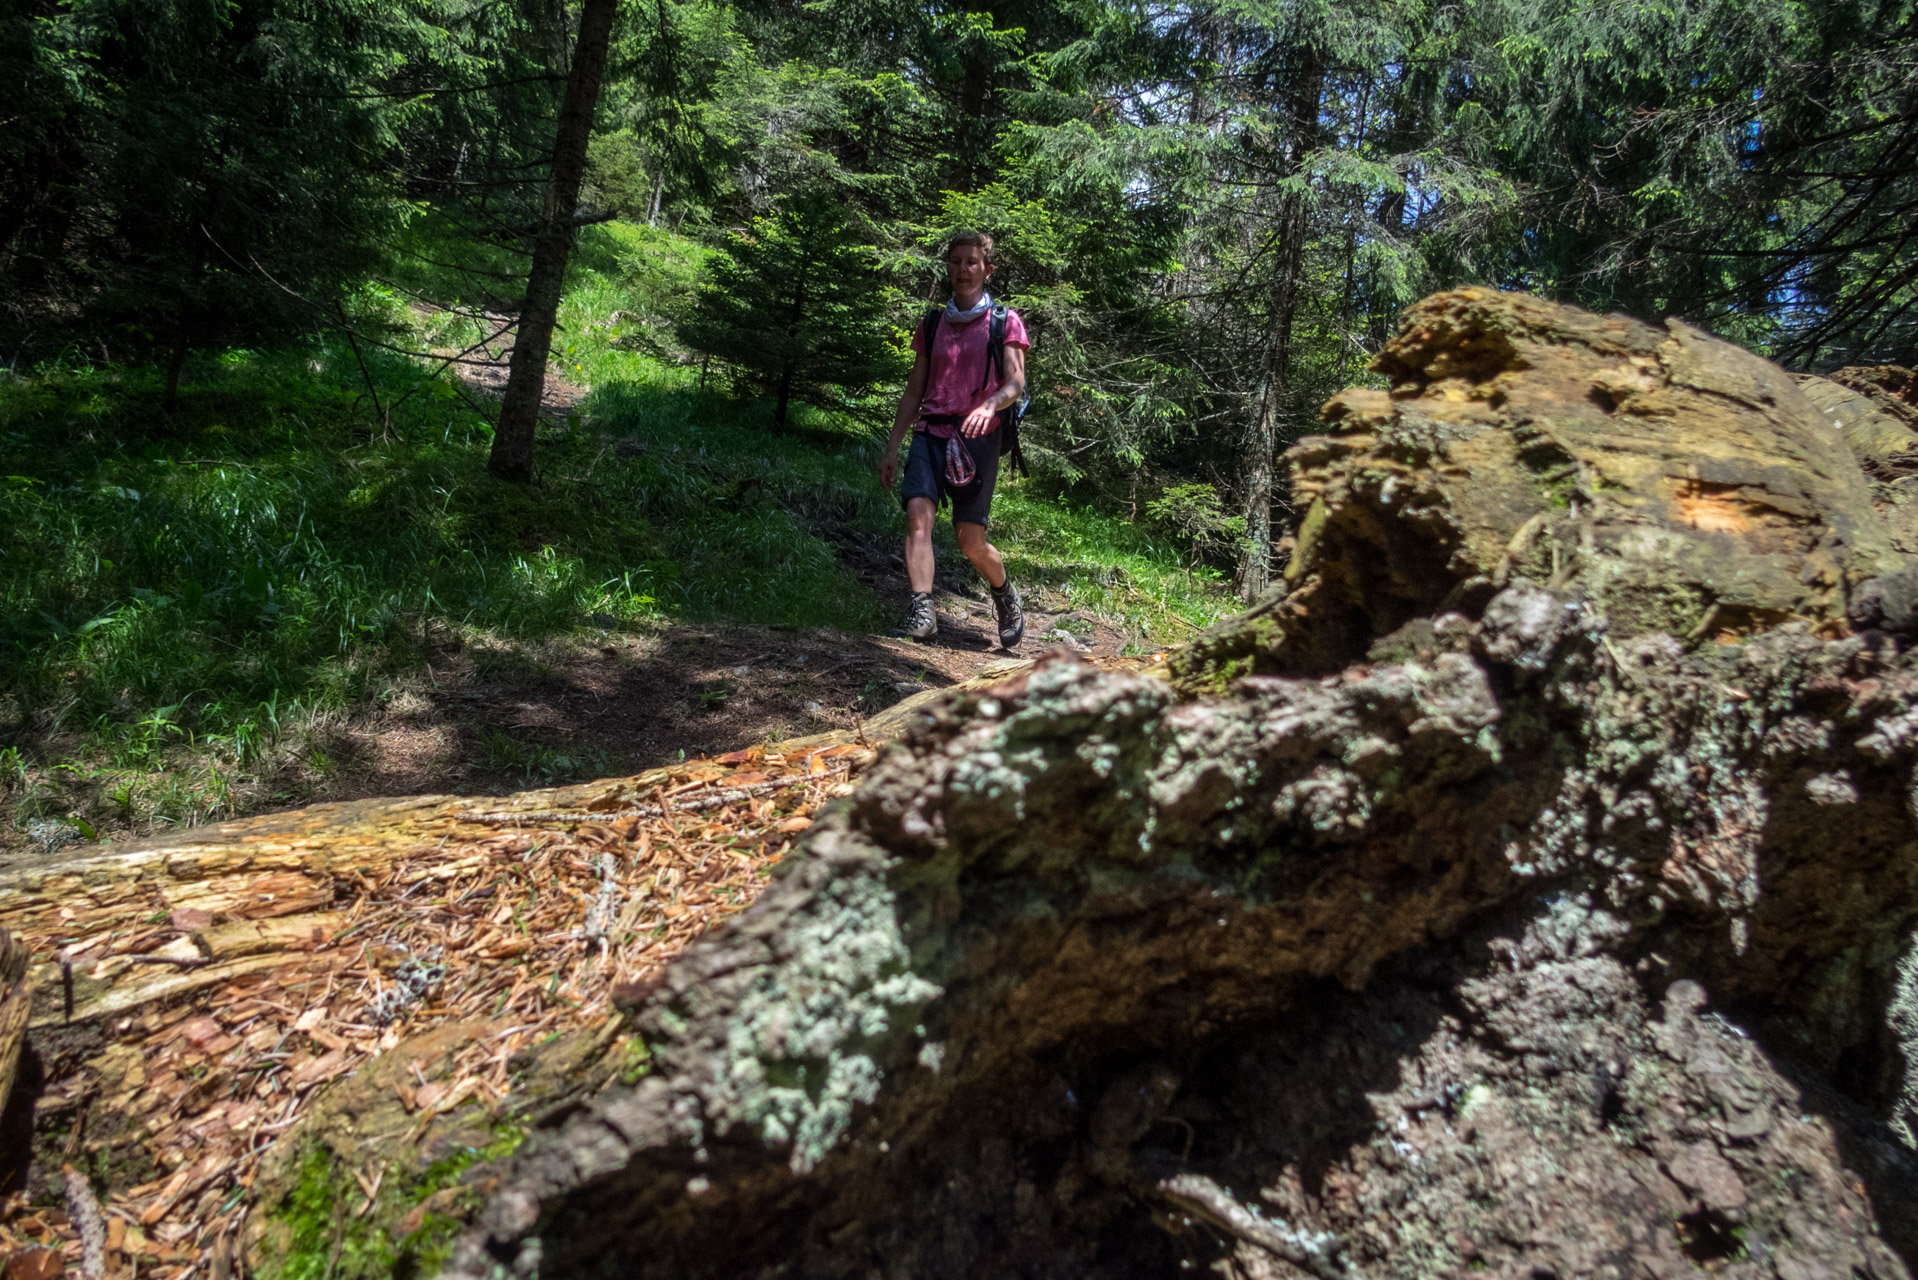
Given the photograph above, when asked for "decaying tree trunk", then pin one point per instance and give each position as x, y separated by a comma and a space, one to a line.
1529, 889
1678, 482
16, 1120
208, 1012
1532, 952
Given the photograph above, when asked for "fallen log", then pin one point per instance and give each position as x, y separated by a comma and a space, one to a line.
194, 997
201, 1013
1529, 891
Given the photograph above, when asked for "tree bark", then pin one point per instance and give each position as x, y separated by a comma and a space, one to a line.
16, 1112
995, 1014
512, 457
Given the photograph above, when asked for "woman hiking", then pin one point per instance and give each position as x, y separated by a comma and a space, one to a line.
954, 406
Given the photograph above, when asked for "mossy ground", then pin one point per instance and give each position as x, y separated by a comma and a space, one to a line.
328, 1228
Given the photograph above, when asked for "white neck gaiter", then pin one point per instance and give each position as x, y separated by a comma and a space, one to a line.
977, 309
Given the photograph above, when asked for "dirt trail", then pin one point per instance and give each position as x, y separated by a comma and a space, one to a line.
496, 719
493, 718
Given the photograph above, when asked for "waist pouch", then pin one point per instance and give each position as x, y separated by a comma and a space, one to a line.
960, 472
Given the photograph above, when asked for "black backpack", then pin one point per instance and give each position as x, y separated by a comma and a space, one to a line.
1010, 416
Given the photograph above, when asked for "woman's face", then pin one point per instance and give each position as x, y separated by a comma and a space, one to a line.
966, 266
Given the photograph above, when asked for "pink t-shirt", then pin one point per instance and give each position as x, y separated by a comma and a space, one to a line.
959, 365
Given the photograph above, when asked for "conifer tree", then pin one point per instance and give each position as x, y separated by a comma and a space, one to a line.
189, 174
796, 305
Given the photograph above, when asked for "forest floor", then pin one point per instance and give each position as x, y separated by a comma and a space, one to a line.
493, 718
303, 584
495, 721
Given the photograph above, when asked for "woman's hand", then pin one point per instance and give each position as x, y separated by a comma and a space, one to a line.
985, 418
980, 421
888, 469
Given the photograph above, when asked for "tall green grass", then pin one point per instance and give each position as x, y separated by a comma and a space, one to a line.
265, 546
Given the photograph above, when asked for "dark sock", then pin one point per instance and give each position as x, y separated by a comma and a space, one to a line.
1002, 588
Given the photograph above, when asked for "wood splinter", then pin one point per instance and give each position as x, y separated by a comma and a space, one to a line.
83, 1211
1204, 1198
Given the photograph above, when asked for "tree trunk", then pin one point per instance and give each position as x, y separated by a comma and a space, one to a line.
785, 397
971, 157
512, 457
16, 1107
176, 360
1254, 574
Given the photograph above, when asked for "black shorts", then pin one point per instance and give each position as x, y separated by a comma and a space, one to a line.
925, 476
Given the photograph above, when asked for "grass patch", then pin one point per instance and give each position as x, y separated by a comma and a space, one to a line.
1097, 562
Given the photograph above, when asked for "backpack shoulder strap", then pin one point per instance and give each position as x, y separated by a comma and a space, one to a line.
995, 345
928, 327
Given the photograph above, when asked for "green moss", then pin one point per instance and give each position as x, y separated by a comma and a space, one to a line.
1643, 605
1235, 648
322, 1230
636, 1061
1559, 486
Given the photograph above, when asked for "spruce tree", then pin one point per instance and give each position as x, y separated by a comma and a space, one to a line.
795, 304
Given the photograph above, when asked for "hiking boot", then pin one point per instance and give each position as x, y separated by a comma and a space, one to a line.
1012, 614
921, 623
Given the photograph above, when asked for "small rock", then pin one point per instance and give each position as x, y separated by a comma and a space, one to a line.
1709, 1176
54, 836
1832, 789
